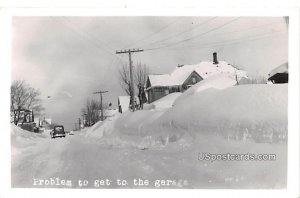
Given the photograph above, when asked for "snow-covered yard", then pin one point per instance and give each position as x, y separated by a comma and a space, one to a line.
166, 143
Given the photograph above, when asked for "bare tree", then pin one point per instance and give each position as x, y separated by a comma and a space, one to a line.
91, 112
140, 74
141, 71
23, 96
124, 78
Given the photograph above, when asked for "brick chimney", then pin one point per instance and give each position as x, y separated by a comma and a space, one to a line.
215, 58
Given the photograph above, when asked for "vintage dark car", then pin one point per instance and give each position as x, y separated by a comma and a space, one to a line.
58, 131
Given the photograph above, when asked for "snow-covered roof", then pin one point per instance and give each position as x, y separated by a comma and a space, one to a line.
160, 80
205, 69
180, 74
218, 81
284, 68
124, 102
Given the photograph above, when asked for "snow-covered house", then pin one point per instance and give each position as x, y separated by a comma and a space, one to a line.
184, 76
158, 86
124, 103
280, 74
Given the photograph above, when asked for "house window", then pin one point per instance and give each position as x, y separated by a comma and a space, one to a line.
193, 80
174, 89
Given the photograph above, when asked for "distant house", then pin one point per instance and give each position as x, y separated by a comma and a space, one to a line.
46, 123
184, 76
124, 103
280, 74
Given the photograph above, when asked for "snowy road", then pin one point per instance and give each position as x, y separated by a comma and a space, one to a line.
77, 158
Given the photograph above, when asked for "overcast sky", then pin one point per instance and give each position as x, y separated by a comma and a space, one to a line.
68, 58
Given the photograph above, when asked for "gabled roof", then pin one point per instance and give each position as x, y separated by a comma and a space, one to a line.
160, 80
205, 69
180, 74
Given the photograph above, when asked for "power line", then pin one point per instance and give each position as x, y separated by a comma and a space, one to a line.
85, 37
88, 34
250, 28
154, 33
197, 36
237, 39
229, 42
180, 33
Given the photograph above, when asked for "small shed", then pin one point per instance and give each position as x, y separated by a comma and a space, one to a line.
124, 103
280, 74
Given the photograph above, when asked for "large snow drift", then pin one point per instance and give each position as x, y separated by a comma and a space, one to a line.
218, 81
164, 102
102, 127
240, 112
21, 139
251, 110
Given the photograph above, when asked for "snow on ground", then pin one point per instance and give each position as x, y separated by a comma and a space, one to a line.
218, 81
241, 112
166, 143
257, 112
252, 110
21, 139
76, 158
164, 102
102, 128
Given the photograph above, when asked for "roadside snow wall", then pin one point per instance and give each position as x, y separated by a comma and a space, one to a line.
254, 111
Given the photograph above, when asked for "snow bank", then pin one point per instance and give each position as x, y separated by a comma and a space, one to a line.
130, 129
102, 128
164, 102
21, 138
24, 136
218, 81
244, 110
240, 112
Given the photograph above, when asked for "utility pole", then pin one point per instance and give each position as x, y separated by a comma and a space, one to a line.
83, 119
101, 105
129, 52
79, 123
